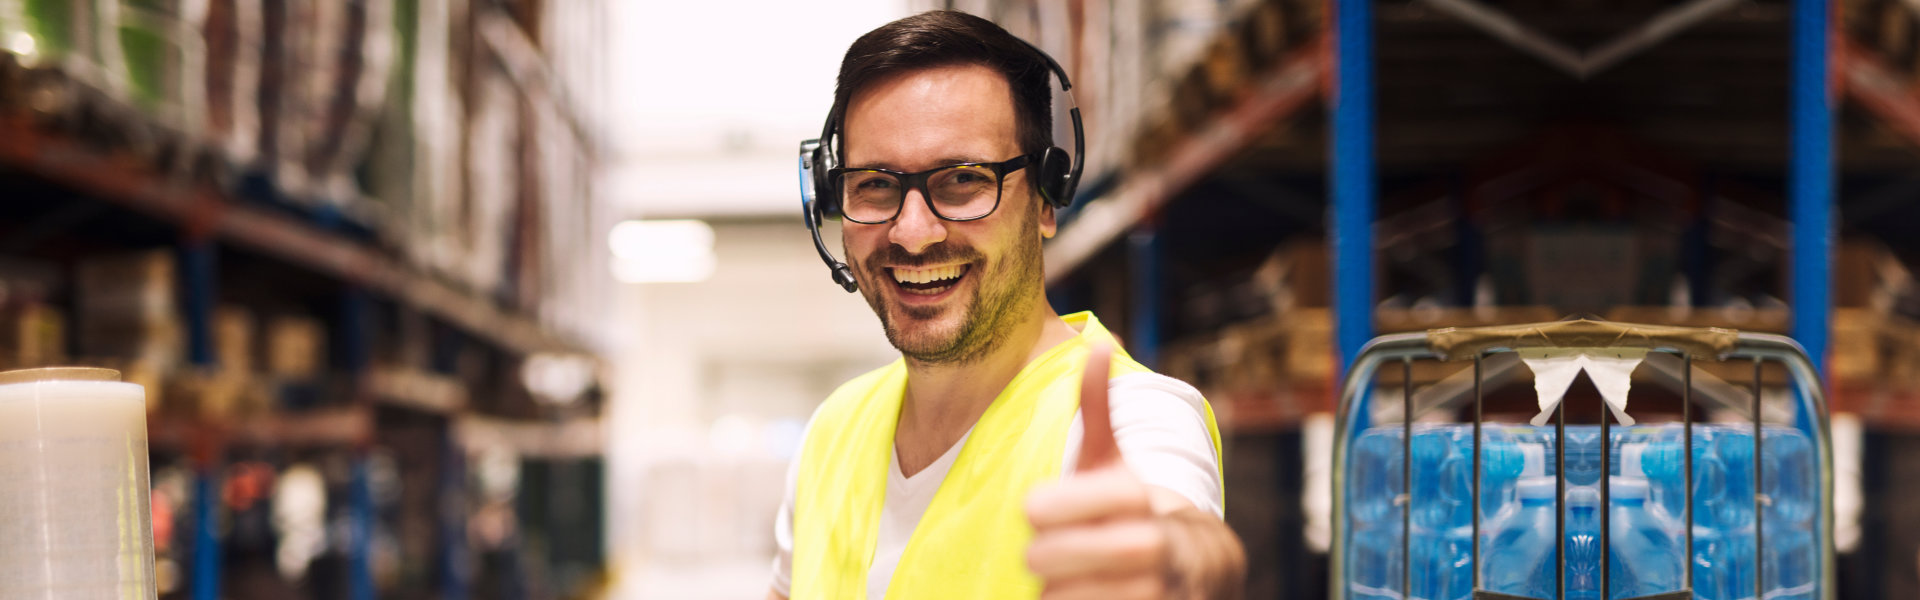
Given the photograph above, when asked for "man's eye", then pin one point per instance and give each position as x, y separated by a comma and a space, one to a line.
970, 176
875, 184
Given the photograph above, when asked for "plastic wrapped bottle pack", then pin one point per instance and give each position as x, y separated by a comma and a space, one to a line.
1646, 512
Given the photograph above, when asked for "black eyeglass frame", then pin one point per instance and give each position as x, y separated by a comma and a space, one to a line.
913, 181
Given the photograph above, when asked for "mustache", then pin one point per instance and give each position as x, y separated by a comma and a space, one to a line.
942, 253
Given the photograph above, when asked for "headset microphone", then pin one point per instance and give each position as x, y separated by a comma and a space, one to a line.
842, 274
1057, 175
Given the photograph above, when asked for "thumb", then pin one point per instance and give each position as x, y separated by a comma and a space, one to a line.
1097, 448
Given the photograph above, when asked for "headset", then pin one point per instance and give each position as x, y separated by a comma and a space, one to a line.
1056, 175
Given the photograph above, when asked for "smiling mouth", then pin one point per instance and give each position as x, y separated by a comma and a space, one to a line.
930, 281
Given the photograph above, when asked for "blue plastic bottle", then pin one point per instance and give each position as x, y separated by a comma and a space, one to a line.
1440, 488
1501, 462
1662, 463
1523, 555
1583, 540
1789, 556
1790, 482
1443, 496
1373, 558
1644, 555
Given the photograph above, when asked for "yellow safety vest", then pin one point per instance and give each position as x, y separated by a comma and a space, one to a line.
972, 541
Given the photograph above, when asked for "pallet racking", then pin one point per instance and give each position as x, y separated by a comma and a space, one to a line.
414, 363
1417, 139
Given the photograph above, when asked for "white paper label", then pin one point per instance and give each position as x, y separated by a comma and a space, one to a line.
1611, 370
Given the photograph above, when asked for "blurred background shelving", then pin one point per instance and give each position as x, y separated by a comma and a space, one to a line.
1532, 160
396, 272
353, 251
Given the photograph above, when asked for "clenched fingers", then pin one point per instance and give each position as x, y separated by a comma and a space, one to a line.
1109, 493
1115, 550
1138, 587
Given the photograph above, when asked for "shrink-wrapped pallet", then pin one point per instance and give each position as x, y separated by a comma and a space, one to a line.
74, 508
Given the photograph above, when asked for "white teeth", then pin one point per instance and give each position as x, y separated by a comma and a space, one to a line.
927, 275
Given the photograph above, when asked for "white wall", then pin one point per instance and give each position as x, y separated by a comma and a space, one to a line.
707, 103
713, 381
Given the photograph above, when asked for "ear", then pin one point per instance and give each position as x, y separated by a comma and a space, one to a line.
1047, 223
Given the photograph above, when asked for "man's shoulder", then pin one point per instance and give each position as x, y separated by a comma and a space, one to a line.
1148, 386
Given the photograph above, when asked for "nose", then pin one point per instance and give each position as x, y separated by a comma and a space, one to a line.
917, 227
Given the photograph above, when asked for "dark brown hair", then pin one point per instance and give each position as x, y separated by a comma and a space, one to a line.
941, 38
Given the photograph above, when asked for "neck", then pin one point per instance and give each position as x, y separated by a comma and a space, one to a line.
943, 401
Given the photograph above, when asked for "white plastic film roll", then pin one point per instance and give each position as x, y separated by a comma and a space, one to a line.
74, 518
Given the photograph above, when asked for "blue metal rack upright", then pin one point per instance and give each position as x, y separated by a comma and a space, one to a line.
198, 282
1352, 176
356, 344
1811, 177
1146, 253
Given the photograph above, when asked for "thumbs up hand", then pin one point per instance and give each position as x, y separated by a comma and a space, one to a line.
1096, 534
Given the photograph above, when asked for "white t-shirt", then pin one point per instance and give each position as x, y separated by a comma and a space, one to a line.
1158, 423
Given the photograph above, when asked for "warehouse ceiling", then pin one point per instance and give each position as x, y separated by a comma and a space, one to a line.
1451, 94
706, 122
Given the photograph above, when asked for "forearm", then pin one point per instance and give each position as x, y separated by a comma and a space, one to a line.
1204, 557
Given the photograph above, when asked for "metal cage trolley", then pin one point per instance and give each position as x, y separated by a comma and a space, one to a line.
1732, 501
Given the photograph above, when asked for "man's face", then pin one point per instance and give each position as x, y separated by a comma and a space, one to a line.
946, 291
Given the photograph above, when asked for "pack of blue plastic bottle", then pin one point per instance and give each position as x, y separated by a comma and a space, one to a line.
1646, 513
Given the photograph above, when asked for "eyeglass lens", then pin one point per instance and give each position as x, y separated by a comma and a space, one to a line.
959, 192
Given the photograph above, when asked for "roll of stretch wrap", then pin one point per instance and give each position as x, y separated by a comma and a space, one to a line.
73, 486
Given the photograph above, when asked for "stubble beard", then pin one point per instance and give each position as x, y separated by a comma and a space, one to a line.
1003, 295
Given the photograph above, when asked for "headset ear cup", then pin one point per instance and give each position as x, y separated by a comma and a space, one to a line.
826, 200
1054, 169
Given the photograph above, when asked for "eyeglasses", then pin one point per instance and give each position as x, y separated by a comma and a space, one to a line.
962, 192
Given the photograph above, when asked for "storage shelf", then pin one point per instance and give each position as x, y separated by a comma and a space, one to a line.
354, 426
328, 428
570, 438
417, 390
1887, 94
200, 210
1270, 410
1268, 100
532, 72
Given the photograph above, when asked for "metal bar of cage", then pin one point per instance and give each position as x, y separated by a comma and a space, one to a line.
1478, 400
1759, 532
1810, 418
1686, 434
1559, 499
1606, 503
1406, 474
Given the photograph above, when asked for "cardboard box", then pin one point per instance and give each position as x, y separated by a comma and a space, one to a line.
125, 307
296, 347
32, 334
208, 395
1856, 345
1858, 272
233, 339
1310, 352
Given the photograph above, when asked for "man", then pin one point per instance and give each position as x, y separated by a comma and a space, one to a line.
964, 470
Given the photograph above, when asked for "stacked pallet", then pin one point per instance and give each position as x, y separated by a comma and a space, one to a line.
1251, 38
444, 131
1889, 28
